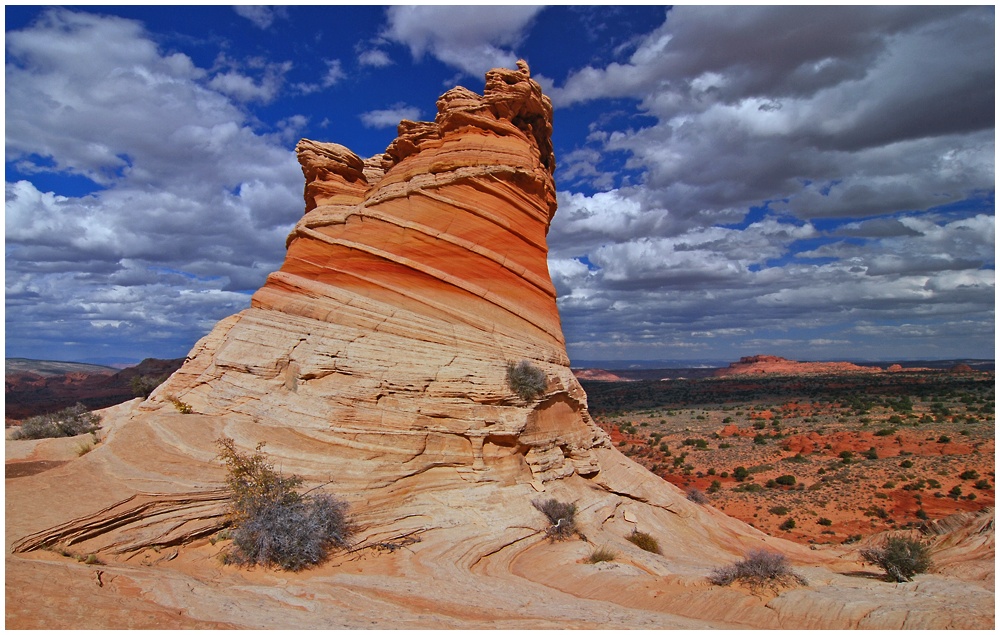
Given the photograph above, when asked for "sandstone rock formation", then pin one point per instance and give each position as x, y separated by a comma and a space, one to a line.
374, 362
774, 365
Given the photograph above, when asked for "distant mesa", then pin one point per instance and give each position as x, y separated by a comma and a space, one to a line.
773, 365
961, 368
597, 374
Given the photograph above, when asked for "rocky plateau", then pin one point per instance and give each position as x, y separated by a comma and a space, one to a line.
373, 365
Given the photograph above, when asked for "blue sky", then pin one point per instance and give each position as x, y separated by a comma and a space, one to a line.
816, 183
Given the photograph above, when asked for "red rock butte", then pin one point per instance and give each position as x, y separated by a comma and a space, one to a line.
373, 365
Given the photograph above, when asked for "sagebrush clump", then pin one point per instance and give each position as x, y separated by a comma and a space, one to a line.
900, 558
68, 422
272, 524
525, 379
561, 515
759, 569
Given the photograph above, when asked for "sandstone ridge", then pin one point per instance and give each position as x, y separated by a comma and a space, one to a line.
373, 365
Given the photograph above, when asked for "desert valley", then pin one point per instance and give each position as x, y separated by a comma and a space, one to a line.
408, 359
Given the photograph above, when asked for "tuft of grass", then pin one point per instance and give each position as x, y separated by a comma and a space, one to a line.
759, 569
561, 515
526, 380
644, 541
83, 448
601, 554
182, 407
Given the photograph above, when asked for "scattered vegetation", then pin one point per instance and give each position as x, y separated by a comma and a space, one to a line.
68, 422
561, 515
644, 541
900, 558
526, 380
272, 524
758, 570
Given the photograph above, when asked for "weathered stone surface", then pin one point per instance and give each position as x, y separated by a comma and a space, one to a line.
374, 362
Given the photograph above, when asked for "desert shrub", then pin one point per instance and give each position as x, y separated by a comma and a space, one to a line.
717, 485
826, 522
969, 475
785, 479
561, 515
779, 510
885, 432
870, 454
787, 525
144, 385
182, 407
741, 473
900, 558
526, 380
272, 524
601, 554
906, 463
695, 495
982, 484
758, 569
68, 422
644, 541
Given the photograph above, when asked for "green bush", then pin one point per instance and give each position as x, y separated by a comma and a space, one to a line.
526, 380
900, 558
272, 523
969, 475
68, 422
758, 569
741, 473
785, 479
826, 522
644, 541
561, 515
787, 525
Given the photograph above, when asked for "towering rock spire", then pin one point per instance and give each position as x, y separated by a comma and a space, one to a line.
412, 279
